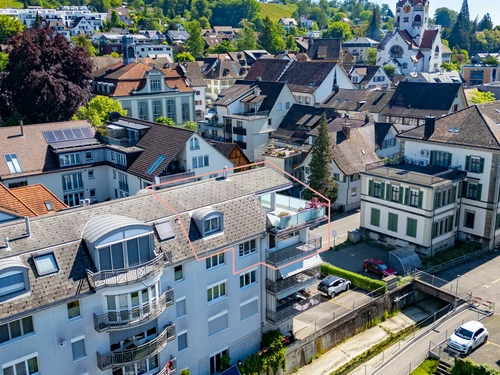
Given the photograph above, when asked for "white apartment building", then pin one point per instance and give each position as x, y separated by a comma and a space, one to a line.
117, 288
369, 76
358, 47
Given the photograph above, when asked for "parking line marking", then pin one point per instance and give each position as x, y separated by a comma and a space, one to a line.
486, 286
496, 281
341, 305
492, 343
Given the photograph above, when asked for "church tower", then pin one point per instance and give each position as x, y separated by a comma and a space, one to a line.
128, 48
413, 16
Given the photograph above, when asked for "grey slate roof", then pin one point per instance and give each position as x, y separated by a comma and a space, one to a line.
307, 76
267, 69
271, 91
349, 100
318, 47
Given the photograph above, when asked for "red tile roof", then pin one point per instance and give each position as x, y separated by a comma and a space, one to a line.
428, 39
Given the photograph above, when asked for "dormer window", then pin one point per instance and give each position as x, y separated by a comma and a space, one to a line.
155, 85
211, 225
208, 221
12, 282
194, 144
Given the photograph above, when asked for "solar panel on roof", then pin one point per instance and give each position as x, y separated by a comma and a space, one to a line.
78, 133
68, 134
165, 231
49, 136
59, 135
87, 133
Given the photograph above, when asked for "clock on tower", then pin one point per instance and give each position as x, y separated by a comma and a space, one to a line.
406, 9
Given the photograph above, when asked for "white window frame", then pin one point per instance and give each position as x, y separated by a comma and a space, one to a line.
213, 228
15, 288
155, 84
187, 343
14, 164
77, 339
185, 307
24, 359
72, 182
217, 286
194, 144
70, 159
21, 329
244, 251
243, 278
90, 174
215, 261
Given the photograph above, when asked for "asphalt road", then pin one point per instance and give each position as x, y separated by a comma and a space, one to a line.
342, 223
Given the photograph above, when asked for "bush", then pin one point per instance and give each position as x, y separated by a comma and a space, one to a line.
468, 367
356, 279
428, 367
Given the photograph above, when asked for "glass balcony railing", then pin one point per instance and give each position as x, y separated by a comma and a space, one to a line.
300, 250
120, 358
116, 320
290, 212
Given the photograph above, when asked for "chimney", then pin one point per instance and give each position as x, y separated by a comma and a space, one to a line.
346, 129
225, 172
28, 226
7, 246
256, 90
430, 124
22, 128
258, 79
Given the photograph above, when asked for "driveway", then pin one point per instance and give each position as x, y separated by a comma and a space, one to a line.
342, 223
488, 354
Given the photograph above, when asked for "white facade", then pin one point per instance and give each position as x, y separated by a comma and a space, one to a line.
379, 79
200, 102
154, 51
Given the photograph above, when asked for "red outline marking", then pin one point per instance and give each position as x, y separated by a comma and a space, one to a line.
149, 188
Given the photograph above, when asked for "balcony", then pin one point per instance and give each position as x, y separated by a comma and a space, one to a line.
417, 24
170, 368
123, 186
293, 308
251, 114
124, 276
174, 176
240, 131
303, 279
116, 320
214, 137
120, 358
242, 145
121, 142
300, 250
290, 212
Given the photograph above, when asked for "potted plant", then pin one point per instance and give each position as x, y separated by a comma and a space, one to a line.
283, 214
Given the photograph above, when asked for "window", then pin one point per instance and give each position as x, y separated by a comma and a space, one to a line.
15, 329
474, 164
143, 110
440, 159
443, 226
156, 164
411, 227
280, 107
48, 206
217, 323
182, 341
414, 198
125, 254
91, 174
239, 124
180, 306
377, 190
215, 362
388, 143
78, 349
13, 185
73, 309
92, 193
248, 278
185, 112
88, 155
46, 264
395, 194
121, 159
11, 282
157, 109
171, 109
155, 84
216, 292
474, 191
25, 367
287, 105
123, 181
194, 143
269, 122
215, 260
353, 192
247, 248
211, 225
73, 199
469, 219
393, 222
355, 177
69, 159
200, 161
375, 217
13, 163
178, 274
72, 181
249, 308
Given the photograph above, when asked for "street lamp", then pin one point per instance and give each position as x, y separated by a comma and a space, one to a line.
456, 293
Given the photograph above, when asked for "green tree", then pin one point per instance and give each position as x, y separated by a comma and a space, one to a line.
445, 17
486, 23
320, 179
224, 47
4, 59
269, 38
86, 44
184, 57
165, 121
461, 33
185, 372
356, 10
115, 54
201, 8
338, 30
38, 22
371, 56
374, 28
339, 16
291, 44
191, 125
9, 27
491, 60
246, 39
274, 357
390, 70
204, 23
195, 43
478, 97
317, 14
97, 111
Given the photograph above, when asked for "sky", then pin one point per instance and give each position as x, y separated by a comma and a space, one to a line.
476, 7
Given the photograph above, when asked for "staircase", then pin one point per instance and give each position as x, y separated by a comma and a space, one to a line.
443, 368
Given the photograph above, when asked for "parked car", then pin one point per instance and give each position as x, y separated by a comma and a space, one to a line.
330, 286
378, 267
468, 337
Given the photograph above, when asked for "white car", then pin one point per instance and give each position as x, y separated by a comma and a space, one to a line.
330, 286
468, 337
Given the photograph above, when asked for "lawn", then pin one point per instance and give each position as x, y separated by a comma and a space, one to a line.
276, 11
427, 368
11, 4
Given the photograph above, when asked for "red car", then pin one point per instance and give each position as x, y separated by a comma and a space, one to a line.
378, 267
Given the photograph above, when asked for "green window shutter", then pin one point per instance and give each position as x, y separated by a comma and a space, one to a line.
388, 192
407, 196
370, 188
453, 193
481, 165
450, 223
433, 157
436, 200
467, 163
449, 159
464, 189
479, 190
382, 190
400, 195
411, 227
420, 199
393, 222
375, 218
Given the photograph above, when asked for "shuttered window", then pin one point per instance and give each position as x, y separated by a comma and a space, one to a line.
474, 164
217, 324
249, 309
411, 227
393, 222
375, 217
440, 159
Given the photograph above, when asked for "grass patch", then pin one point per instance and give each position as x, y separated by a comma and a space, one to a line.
461, 248
277, 11
404, 280
355, 278
428, 367
11, 4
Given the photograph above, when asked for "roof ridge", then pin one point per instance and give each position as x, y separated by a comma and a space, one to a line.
45, 189
6, 189
487, 125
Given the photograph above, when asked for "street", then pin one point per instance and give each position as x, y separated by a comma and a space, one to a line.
342, 223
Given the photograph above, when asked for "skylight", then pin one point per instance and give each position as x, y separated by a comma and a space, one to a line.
155, 165
46, 264
13, 163
165, 231
48, 206
454, 130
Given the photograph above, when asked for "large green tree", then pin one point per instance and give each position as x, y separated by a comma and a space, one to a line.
9, 27
86, 44
320, 178
374, 27
246, 39
461, 33
371, 56
338, 30
486, 23
97, 111
445, 17
478, 97
195, 43
269, 38
201, 8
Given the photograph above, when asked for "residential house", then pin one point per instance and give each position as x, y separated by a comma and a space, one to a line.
154, 35
63, 295
192, 75
446, 53
59, 27
306, 21
413, 101
313, 33
232, 152
155, 51
288, 23
31, 201
480, 74
220, 74
81, 26
479, 58
369, 76
112, 42
359, 46
453, 192
123, 15
177, 36
436, 77
144, 91
325, 49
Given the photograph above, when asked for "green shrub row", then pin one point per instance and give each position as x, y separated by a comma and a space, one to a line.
356, 279
468, 367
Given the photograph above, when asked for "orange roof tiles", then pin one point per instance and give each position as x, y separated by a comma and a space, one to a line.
35, 197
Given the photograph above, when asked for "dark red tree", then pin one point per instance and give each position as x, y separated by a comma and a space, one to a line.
46, 78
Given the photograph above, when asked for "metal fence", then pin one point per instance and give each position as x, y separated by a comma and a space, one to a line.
461, 259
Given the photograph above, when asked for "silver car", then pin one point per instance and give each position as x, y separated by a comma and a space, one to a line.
331, 286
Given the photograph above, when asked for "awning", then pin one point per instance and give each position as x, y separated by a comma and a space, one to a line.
299, 266
209, 115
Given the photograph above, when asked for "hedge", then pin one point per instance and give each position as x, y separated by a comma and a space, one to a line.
468, 367
356, 279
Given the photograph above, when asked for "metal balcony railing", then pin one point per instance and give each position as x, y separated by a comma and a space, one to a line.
303, 278
299, 250
294, 310
240, 131
133, 355
250, 114
116, 320
170, 368
124, 276
174, 176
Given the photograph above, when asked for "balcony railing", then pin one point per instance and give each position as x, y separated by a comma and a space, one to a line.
294, 310
173, 177
122, 142
123, 186
215, 137
242, 145
304, 279
170, 368
132, 355
240, 131
250, 114
116, 320
129, 275
299, 250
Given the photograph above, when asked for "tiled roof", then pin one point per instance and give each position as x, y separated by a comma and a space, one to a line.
267, 69
35, 197
338, 123
226, 148
417, 100
359, 40
271, 91
477, 127
214, 68
367, 71
349, 100
11, 203
428, 39
192, 72
32, 150
408, 38
324, 49
307, 76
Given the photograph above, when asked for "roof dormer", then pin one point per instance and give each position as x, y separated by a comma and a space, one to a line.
209, 221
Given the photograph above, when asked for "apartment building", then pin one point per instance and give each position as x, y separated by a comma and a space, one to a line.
156, 284
369, 76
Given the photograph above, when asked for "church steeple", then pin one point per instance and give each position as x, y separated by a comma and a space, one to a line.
413, 16
128, 47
